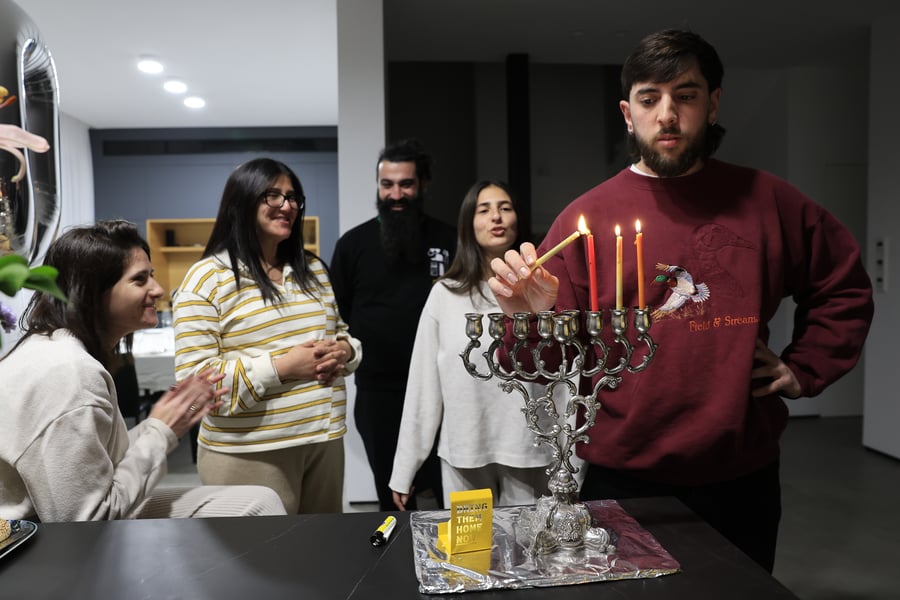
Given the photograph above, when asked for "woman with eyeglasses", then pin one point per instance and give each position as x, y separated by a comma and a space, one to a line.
259, 309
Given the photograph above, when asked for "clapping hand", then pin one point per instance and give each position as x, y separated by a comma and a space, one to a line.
189, 400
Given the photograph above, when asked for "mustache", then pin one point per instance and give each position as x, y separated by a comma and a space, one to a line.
673, 130
404, 202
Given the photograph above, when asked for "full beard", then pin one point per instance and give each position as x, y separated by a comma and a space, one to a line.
666, 166
401, 231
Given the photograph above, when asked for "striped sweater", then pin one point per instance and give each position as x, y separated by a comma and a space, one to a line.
233, 331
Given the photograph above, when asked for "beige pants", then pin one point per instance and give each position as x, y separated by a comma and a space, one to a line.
308, 478
510, 486
210, 501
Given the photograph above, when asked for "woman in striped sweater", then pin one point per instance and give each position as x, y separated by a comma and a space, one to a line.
259, 309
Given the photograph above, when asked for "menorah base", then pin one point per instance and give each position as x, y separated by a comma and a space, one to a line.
555, 524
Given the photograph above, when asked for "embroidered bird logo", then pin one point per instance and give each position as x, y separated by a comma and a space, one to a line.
682, 286
710, 242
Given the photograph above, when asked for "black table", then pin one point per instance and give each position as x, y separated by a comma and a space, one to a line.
310, 557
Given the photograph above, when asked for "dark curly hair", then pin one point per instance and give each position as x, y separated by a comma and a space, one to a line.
663, 56
410, 150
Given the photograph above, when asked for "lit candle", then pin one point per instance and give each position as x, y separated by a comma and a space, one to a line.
619, 303
592, 266
639, 245
555, 249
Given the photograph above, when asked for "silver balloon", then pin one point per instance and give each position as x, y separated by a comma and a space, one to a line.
30, 205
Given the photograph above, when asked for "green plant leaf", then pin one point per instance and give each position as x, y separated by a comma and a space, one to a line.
43, 279
9, 259
13, 276
46, 271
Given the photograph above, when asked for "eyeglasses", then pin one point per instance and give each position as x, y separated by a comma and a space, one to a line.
276, 199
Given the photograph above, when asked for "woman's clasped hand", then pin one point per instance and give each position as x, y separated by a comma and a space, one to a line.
322, 360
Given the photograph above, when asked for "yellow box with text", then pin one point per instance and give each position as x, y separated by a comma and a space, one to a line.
471, 523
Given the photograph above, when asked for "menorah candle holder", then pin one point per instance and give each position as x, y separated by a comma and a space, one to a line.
560, 521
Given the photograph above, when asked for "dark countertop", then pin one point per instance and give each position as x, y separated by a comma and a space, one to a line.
330, 557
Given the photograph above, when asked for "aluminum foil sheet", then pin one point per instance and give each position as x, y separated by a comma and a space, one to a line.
508, 564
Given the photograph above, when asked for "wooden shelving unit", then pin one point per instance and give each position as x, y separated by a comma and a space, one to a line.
172, 257
172, 254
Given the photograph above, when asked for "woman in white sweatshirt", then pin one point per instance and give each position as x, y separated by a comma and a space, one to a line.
483, 439
65, 453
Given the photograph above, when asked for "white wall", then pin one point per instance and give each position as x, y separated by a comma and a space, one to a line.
76, 194
360, 137
881, 421
361, 107
76, 173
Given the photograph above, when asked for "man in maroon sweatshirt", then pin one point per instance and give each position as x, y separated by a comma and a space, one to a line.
728, 243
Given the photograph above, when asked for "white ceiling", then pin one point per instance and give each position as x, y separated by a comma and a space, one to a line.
258, 63
274, 62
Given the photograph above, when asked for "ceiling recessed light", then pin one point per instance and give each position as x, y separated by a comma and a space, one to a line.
194, 102
150, 65
175, 86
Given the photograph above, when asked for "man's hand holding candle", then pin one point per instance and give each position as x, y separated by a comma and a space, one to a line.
518, 286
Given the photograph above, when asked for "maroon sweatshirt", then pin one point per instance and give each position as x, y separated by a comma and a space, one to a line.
722, 247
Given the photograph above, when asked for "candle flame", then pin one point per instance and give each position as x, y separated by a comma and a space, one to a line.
582, 226
637, 225
618, 231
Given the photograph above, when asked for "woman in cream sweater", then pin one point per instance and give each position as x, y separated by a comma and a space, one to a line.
483, 439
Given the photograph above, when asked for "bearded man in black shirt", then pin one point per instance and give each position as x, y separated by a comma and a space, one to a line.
381, 272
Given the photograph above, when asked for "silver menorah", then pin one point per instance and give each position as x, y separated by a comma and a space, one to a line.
560, 521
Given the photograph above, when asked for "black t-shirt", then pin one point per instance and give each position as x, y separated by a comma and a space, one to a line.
381, 302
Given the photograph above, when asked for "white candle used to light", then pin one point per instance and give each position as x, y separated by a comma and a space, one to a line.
555, 249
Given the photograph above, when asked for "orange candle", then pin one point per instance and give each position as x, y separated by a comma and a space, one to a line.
592, 263
619, 303
639, 245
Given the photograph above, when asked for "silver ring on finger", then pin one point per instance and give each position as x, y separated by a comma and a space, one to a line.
194, 407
